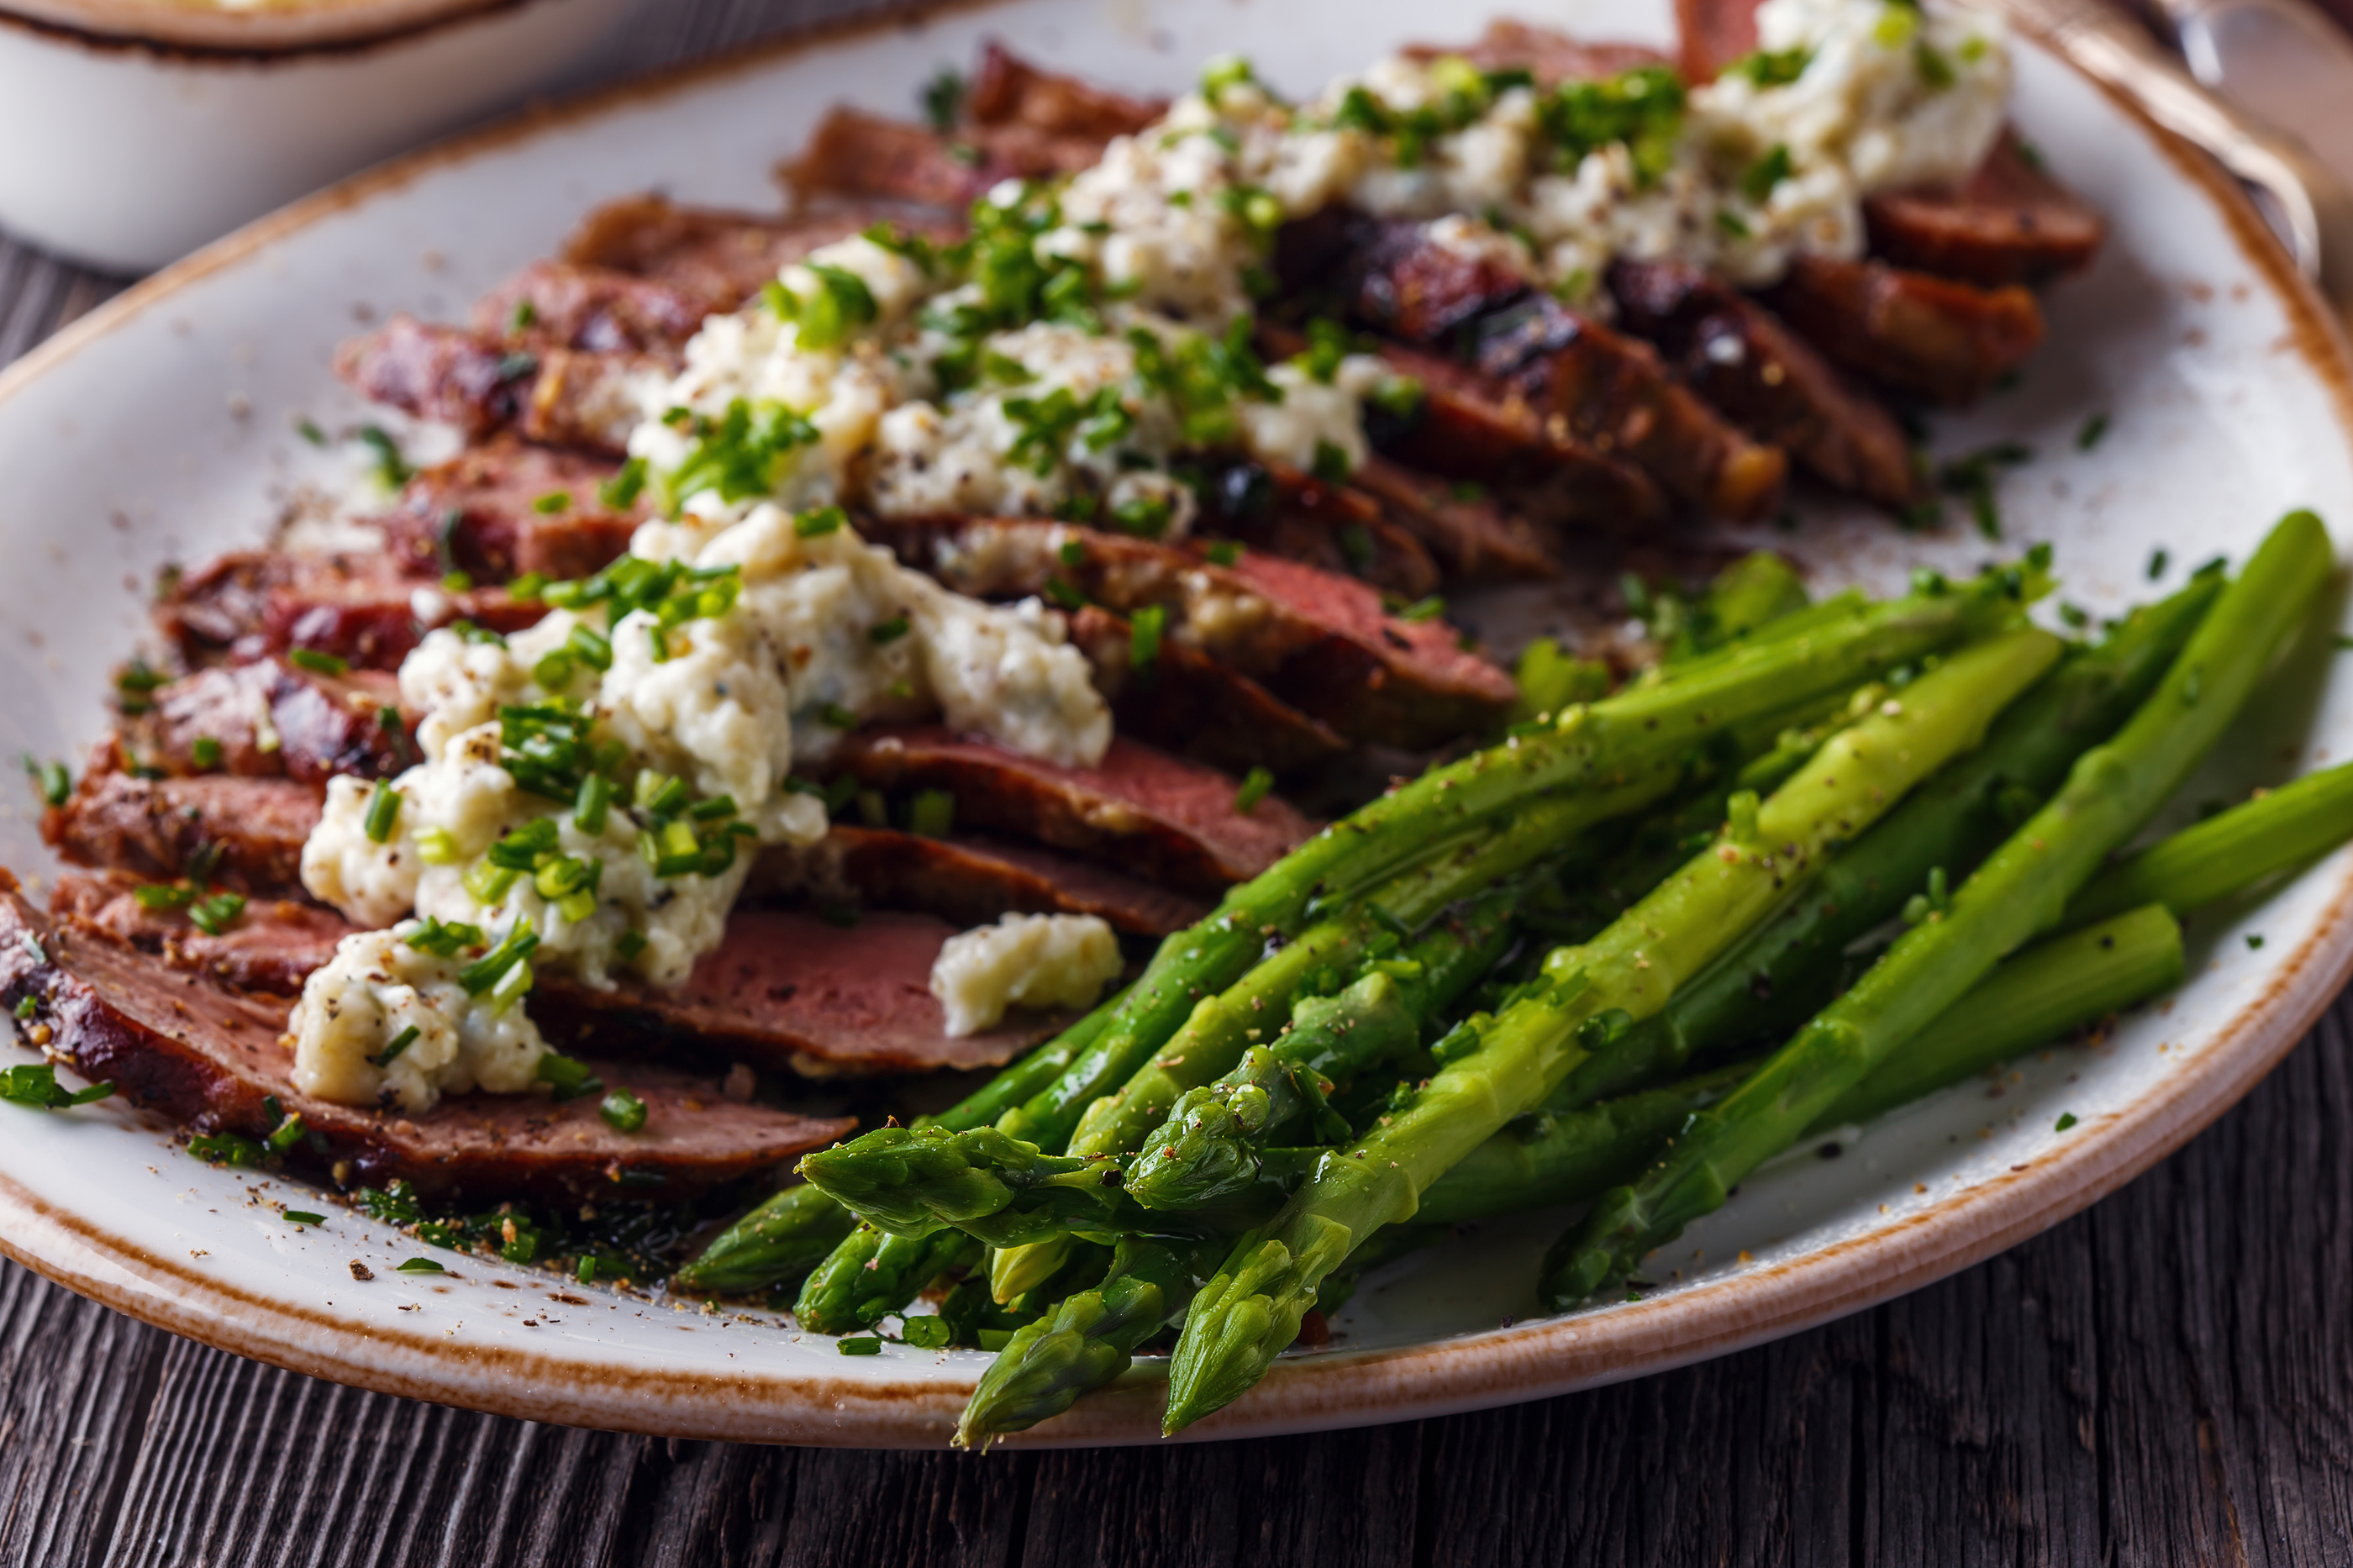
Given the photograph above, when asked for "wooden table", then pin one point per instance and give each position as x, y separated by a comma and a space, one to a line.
2167, 1378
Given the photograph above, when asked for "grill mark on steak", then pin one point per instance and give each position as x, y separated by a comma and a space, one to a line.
317, 725
249, 603
1937, 340
556, 397
1320, 642
157, 827
1747, 363
1582, 382
208, 1057
1142, 809
787, 989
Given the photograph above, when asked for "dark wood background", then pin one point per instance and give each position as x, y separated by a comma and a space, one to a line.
2165, 1379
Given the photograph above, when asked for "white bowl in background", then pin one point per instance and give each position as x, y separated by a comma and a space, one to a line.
137, 131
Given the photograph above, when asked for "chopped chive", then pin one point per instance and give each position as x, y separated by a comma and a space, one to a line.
930, 1333
2066, 1119
890, 631
205, 753
420, 1266
215, 915
55, 784
589, 807
390, 465
310, 431
631, 944
863, 1344
302, 1216
383, 812
932, 815
285, 1135
586, 1272
1428, 609
26, 1007
317, 661
1222, 551
569, 1077
836, 717
154, 897
552, 503
1073, 553
391, 1052
524, 317
2093, 429
2156, 563
1255, 785
1144, 630
2254, 941
1064, 593
622, 1112
819, 523
457, 581
621, 492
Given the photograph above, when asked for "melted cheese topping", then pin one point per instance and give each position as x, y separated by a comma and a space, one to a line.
1023, 961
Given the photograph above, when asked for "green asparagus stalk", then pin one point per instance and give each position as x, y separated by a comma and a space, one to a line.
2277, 831
784, 1238
2052, 989
1206, 1151
1013, 1271
1602, 745
1788, 967
870, 1276
1250, 1310
1085, 1342
1565, 1154
2023, 888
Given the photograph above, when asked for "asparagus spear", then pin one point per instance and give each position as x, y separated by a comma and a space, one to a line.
784, 1238
1245, 1315
1605, 744
1811, 654
2023, 888
1787, 968
870, 1276
2274, 832
1567, 1155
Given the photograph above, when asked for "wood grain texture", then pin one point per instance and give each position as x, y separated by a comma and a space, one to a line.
2166, 1378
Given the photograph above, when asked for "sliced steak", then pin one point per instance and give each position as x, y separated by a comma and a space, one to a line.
249, 603
858, 154
1711, 34
1554, 58
1155, 816
211, 1058
500, 510
272, 947
1337, 527
1188, 702
562, 304
251, 829
2008, 223
1396, 280
478, 383
1471, 429
272, 719
1318, 641
786, 989
1744, 362
1615, 394
1477, 536
723, 258
1009, 90
967, 880
1937, 340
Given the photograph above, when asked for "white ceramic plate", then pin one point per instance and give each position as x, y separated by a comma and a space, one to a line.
162, 429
